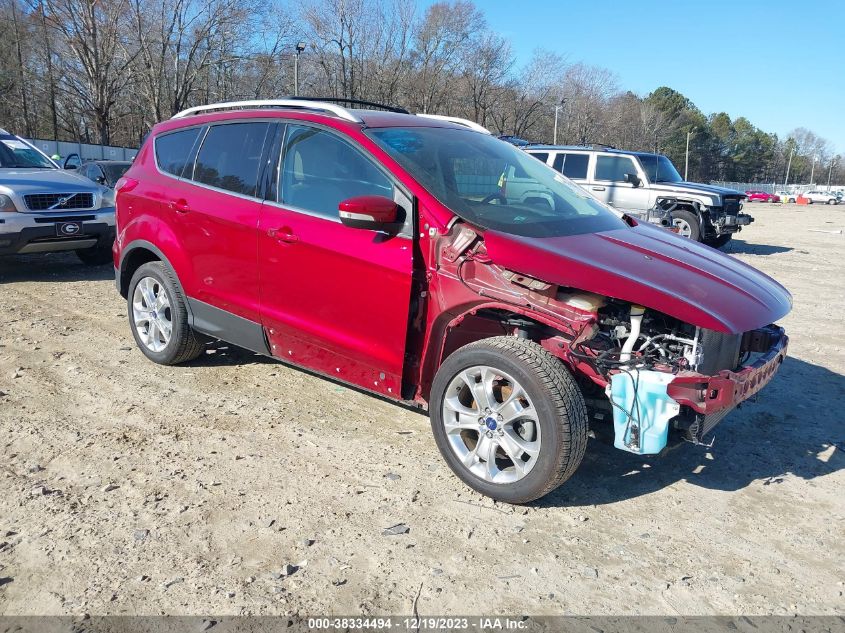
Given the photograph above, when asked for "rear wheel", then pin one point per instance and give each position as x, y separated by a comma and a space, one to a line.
687, 224
158, 316
508, 418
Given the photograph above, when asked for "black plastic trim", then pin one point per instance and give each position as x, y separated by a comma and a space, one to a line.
228, 327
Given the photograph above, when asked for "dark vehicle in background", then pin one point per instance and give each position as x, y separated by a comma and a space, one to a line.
762, 196
637, 182
104, 172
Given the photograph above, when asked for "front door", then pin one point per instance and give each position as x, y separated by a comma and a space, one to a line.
334, 299
608, 183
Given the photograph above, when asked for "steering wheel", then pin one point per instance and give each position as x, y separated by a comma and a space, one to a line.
495, 196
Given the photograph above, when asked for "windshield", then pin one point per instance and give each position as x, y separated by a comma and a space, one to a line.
114, 171
659, 168
15, 153
493, 184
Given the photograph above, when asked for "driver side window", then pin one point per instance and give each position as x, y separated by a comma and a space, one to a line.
319, 170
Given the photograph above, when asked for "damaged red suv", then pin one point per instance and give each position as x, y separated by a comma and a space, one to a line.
423, 260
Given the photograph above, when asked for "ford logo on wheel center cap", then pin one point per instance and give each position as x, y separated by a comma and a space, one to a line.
491, 424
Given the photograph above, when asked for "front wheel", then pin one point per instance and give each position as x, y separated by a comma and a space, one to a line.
508, 418
687, 224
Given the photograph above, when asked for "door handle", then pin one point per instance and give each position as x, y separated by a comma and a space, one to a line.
597, 188
283, 235
180, 205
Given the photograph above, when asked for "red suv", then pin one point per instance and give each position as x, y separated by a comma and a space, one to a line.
761, 196
388, 251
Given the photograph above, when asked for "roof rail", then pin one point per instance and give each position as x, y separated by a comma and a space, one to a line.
338, 111
458, 121
357, 102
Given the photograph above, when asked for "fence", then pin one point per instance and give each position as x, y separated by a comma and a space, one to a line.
774, 187
86, 151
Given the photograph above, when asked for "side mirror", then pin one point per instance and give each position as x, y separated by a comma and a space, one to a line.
633, 179
368, 212
100, 180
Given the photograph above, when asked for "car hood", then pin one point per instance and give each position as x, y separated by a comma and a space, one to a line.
26, 181
694, 187
652, 267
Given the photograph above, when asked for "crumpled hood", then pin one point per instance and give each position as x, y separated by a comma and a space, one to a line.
652, 267
695, 188
27, 181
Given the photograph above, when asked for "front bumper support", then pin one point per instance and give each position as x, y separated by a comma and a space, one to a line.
711, 398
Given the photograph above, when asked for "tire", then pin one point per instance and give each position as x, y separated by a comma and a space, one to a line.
553, 424
720, 241
831, 201
687, 222
182, 344
96, 256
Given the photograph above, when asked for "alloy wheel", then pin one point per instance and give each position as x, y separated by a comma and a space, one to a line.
491, 424
683, 227
151, 314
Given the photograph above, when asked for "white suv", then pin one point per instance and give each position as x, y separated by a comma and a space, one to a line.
825, 197
636, 182
44, 208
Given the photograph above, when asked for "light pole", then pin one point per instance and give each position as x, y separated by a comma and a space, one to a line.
788, 165
557, 109
813, 170
300, 46
686, 159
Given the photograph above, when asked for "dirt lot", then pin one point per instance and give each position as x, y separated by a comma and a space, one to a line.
133, 488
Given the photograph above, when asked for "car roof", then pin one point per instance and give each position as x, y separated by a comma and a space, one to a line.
587, 148
307, 110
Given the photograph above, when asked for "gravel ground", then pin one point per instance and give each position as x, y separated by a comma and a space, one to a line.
236, 485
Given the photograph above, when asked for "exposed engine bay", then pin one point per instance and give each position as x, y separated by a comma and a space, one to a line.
625, 356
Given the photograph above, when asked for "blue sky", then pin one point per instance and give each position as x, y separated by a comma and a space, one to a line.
780, 64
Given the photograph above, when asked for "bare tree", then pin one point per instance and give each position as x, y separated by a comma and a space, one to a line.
94, 32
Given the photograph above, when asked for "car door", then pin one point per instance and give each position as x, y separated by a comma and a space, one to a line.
608, 183
214, 211
334, 299
95, 173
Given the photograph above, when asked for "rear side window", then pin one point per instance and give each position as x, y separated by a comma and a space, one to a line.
614, 168
541, 156
319, 171
174, 150
572, 165
230, 156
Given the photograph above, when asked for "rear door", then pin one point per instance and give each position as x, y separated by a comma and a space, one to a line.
334, 299
573, 165
215, 214
608, 183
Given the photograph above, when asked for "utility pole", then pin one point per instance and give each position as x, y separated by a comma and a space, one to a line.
686, 158
813, 170
300, 46
788, 165
557, 109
